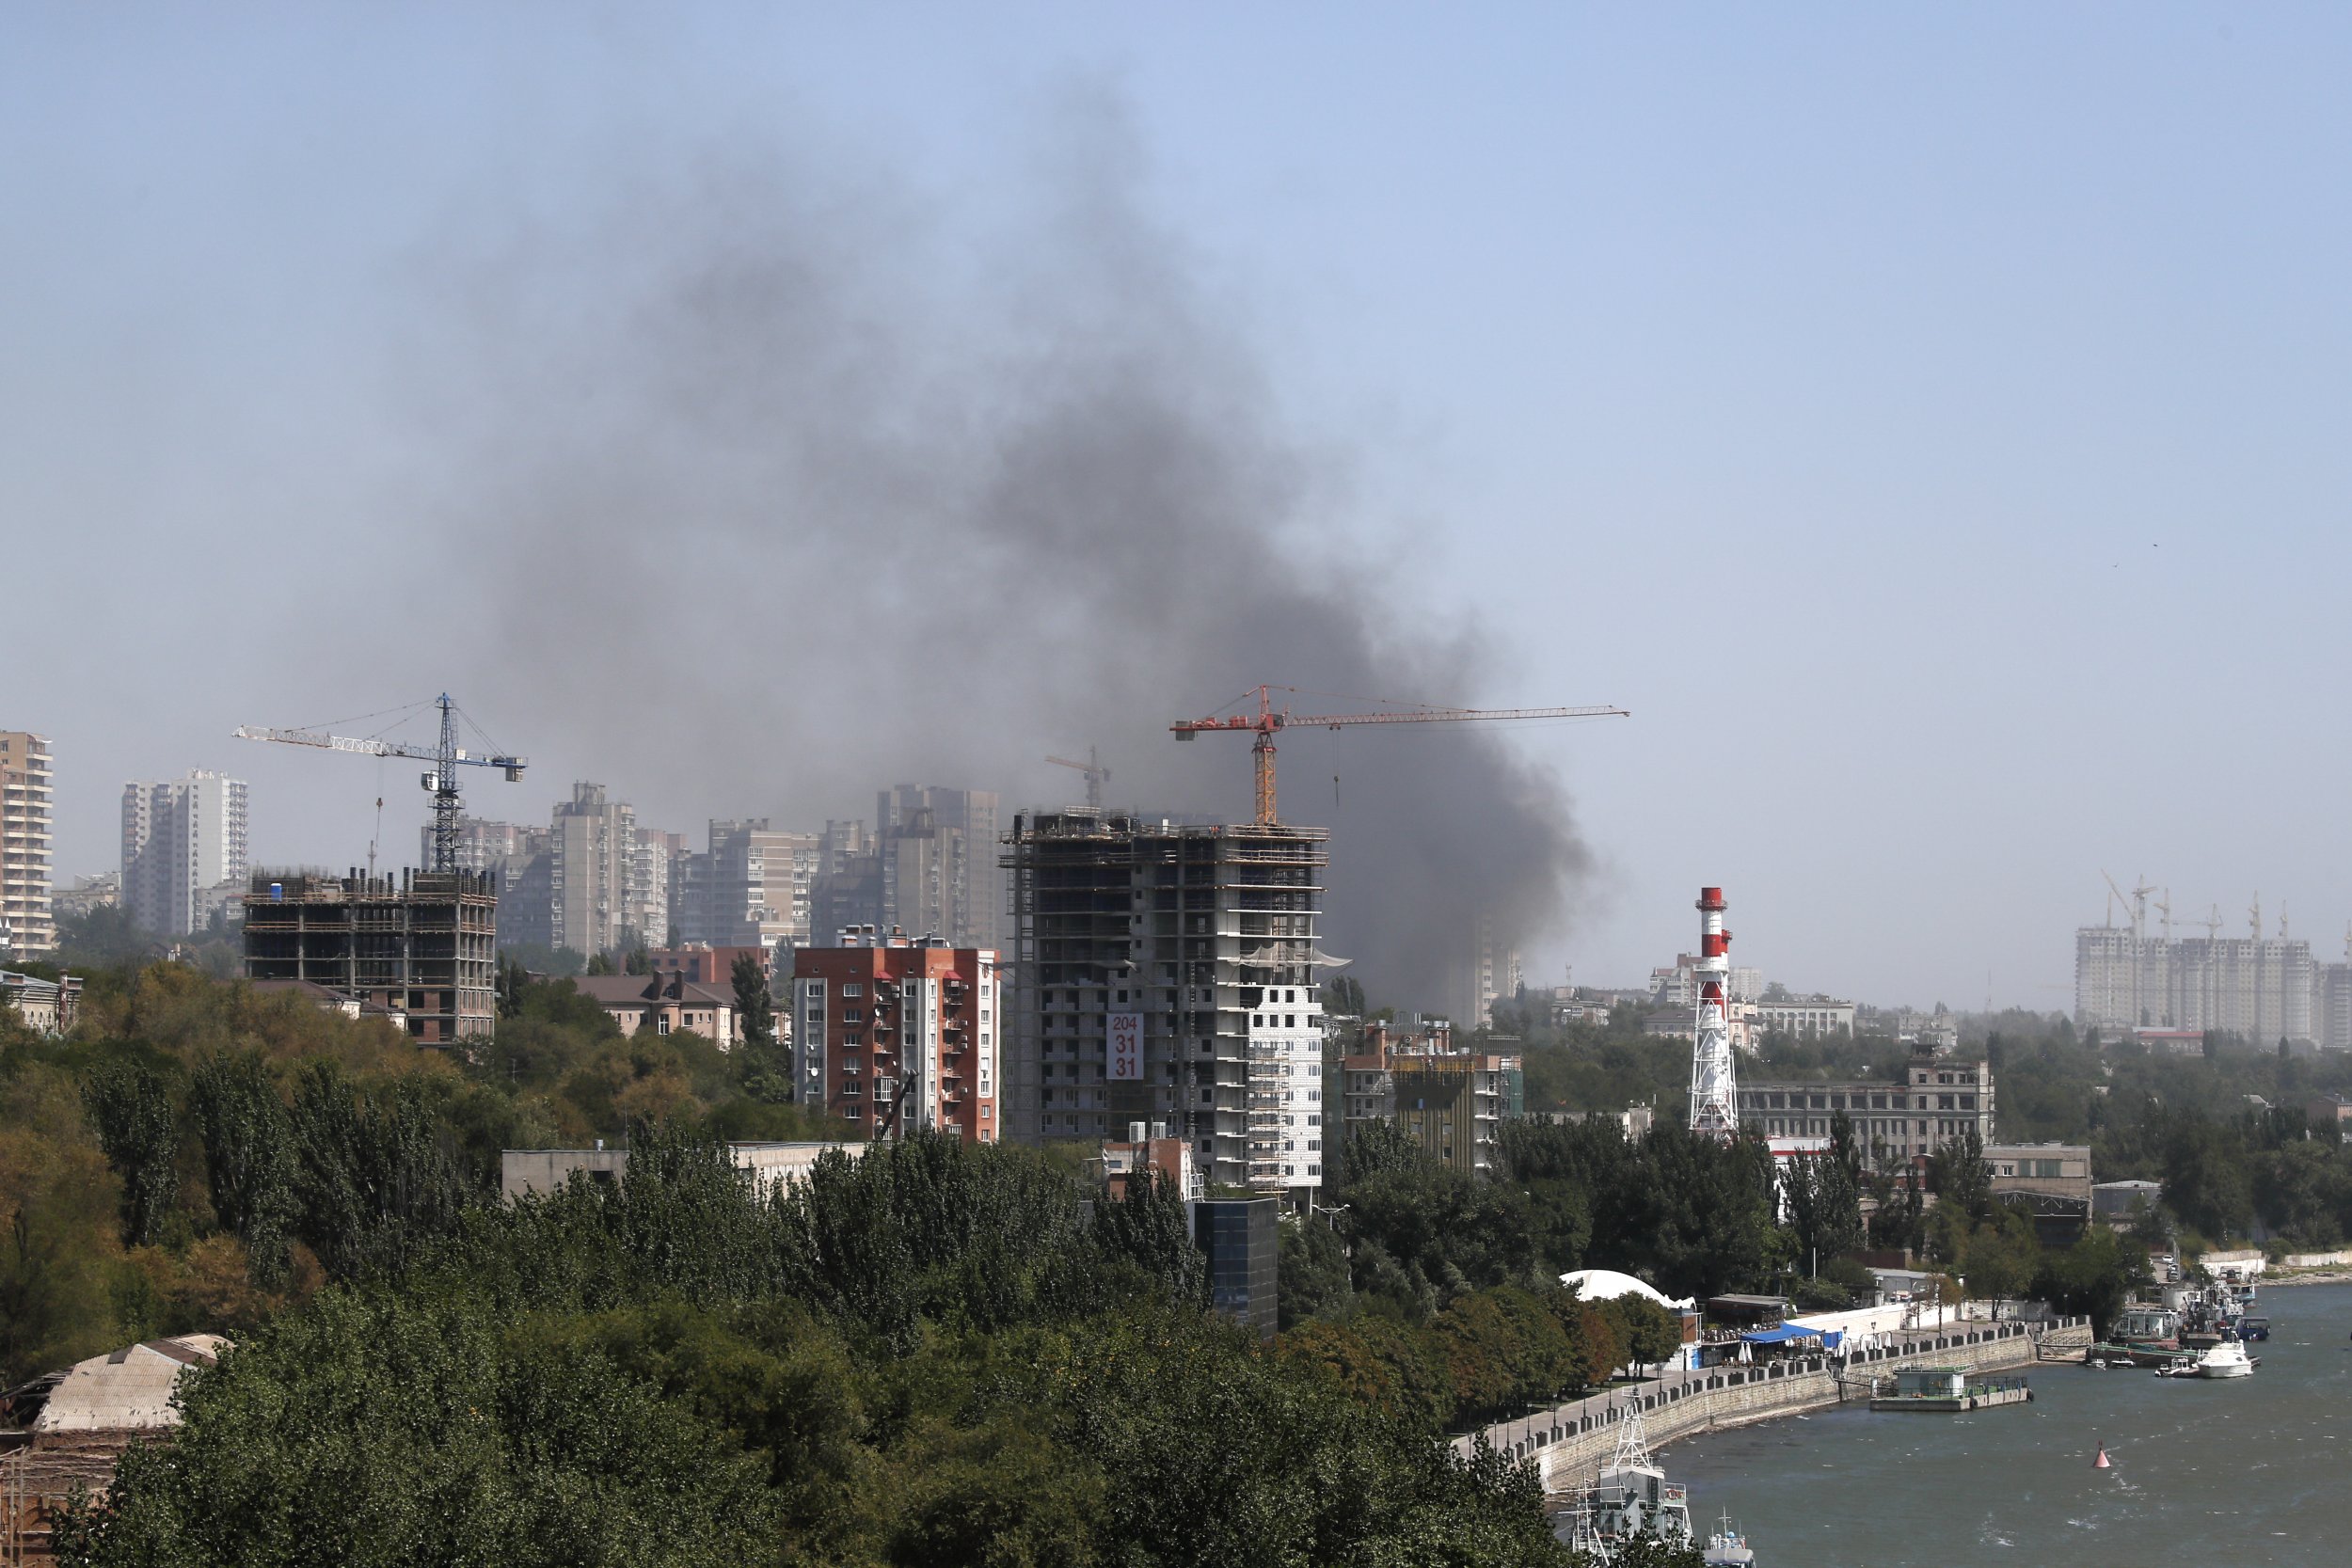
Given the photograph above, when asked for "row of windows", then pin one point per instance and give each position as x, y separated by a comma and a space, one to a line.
1760, 1100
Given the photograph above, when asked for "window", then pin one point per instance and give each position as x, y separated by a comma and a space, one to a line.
661, 1024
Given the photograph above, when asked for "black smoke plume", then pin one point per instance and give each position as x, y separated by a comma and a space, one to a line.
779, 490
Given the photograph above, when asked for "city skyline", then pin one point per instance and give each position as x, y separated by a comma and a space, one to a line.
1974, 474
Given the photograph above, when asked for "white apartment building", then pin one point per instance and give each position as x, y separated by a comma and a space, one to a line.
2260, 988
183, 849
26, 929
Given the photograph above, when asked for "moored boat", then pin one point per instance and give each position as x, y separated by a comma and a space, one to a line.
1727, 1547
2226, 1359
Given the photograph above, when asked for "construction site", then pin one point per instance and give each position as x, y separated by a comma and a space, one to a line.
422, 946
1200, 940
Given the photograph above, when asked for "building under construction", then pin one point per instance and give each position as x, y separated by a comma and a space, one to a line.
1166, 974
422, 945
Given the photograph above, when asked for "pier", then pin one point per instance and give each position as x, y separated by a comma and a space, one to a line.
1568, 1441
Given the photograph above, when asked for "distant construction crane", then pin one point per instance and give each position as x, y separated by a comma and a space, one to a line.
1097, 775
446, 758
1269, 719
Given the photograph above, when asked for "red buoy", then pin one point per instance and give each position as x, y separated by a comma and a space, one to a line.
2101, 1463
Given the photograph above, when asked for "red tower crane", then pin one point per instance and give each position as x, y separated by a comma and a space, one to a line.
1268, 718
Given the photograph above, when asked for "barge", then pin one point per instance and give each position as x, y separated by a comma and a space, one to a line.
1948, 1388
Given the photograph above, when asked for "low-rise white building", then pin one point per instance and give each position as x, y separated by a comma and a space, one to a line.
546, 1170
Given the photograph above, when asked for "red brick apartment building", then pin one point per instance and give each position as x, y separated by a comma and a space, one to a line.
893, 1033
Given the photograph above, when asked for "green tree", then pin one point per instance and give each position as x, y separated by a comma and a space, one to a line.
1959, 1177
130, 1108
1649, 1333
2001, 1257
426, 1437
248, 1156
1825, 1197
1311, 1273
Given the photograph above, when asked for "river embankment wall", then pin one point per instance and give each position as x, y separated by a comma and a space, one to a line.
1568, 1442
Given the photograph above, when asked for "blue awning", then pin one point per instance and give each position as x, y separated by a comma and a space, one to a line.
1778, 1336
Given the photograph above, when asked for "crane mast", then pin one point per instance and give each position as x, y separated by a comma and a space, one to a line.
1097, 775
1262, 726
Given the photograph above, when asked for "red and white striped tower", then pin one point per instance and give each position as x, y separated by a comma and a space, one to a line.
1714, 1087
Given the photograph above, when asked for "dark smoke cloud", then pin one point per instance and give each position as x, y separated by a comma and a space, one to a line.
781, 492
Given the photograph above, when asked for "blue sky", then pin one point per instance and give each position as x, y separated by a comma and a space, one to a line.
1929, 422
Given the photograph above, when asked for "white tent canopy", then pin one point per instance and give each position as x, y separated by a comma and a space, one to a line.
1608, 1284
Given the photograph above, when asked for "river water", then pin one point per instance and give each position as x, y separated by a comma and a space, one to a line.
2249, 1471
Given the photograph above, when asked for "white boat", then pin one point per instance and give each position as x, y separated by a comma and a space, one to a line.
2226, 1359
1728, 1549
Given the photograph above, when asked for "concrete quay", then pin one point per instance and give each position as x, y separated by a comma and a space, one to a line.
1568, 1442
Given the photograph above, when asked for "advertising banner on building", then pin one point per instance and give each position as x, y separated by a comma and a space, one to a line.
1123, 1053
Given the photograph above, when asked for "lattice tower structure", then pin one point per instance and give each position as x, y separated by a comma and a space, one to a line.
1714, 1085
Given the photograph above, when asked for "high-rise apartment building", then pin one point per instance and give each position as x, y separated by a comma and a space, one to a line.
182, 837
653, 859
896, 1034
2260, 988
26, 929
847, 891
593, 843
939, 863
1488, 971
521, 859
1168, 974
753, 887
2331, 1007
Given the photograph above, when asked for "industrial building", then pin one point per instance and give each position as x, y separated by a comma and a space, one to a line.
182, 838
423, 943
1938, 1101
1169, 973
26, 929
895, 1034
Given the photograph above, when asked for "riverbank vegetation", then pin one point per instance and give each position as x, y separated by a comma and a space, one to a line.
938, 1354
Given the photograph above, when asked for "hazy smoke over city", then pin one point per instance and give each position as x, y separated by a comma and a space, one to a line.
780, 486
